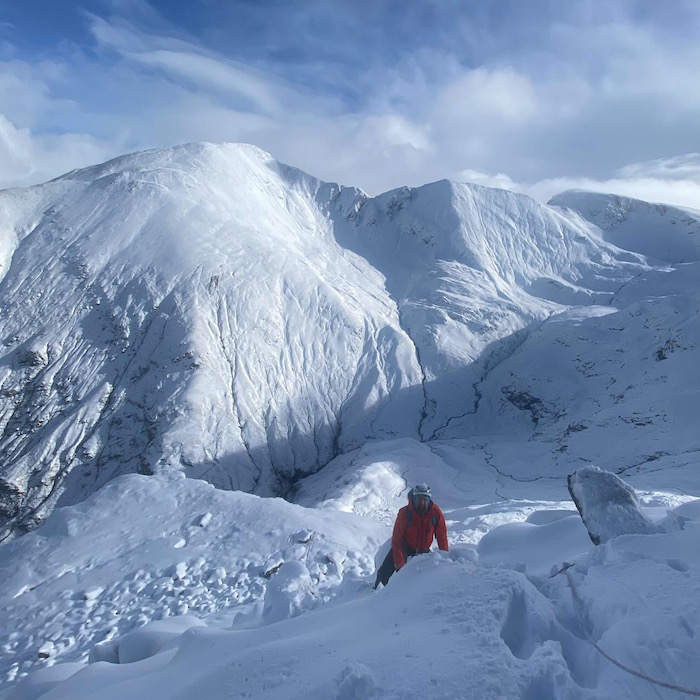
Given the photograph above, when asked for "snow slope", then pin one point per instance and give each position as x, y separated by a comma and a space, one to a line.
208, 309
187, 308
483, 622
657, 230
472, 269
147, 548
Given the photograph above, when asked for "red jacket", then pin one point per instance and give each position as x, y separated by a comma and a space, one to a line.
417, 531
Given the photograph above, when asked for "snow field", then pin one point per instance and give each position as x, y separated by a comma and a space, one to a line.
193, 590
150, 548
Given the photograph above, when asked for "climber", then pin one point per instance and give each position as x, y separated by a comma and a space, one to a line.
416, 525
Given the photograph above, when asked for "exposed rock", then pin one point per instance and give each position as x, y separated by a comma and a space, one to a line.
32, 357
608, 506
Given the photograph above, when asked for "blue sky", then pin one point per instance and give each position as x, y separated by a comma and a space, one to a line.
536, 96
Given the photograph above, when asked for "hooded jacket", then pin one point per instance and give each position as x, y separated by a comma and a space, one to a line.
417, 531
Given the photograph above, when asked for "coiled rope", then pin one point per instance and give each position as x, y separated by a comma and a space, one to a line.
578, 606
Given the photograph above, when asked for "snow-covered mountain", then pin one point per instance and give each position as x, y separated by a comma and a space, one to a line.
671, 234
208, 312
206, 308
188, 307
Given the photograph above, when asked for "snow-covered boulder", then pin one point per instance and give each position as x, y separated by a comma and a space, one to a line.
608, 506
144, 642
290, 592
356, 682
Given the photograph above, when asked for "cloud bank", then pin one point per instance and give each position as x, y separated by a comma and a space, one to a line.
590, 95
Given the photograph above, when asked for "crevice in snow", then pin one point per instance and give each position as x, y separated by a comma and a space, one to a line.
233, 366
416, 350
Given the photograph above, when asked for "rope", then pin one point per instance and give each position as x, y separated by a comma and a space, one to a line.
578, 605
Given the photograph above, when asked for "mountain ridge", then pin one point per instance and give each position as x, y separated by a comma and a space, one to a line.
208, 309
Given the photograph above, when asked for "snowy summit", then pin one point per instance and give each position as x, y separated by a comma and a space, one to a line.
190, 334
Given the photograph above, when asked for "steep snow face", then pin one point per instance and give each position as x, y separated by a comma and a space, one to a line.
187, 307
670, 234
472, 269
207, 308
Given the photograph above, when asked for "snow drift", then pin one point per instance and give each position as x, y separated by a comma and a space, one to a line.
449, 625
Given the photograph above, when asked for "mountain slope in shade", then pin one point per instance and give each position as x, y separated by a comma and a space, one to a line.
206, 308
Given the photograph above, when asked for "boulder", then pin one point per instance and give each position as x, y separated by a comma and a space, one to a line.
608, 506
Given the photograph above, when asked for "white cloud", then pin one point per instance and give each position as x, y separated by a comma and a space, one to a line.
27, 158
23, 91
630, 182
16, 153
480, 96
181, 60
382, 132
498, 180
123, 38
566, 113
207, 72
685, 167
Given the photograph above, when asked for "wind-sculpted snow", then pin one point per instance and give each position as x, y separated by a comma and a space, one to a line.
149, 548
165, 587
208, 309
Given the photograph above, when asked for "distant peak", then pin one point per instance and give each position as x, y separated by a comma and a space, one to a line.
577, 199
588, 196
662, 232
